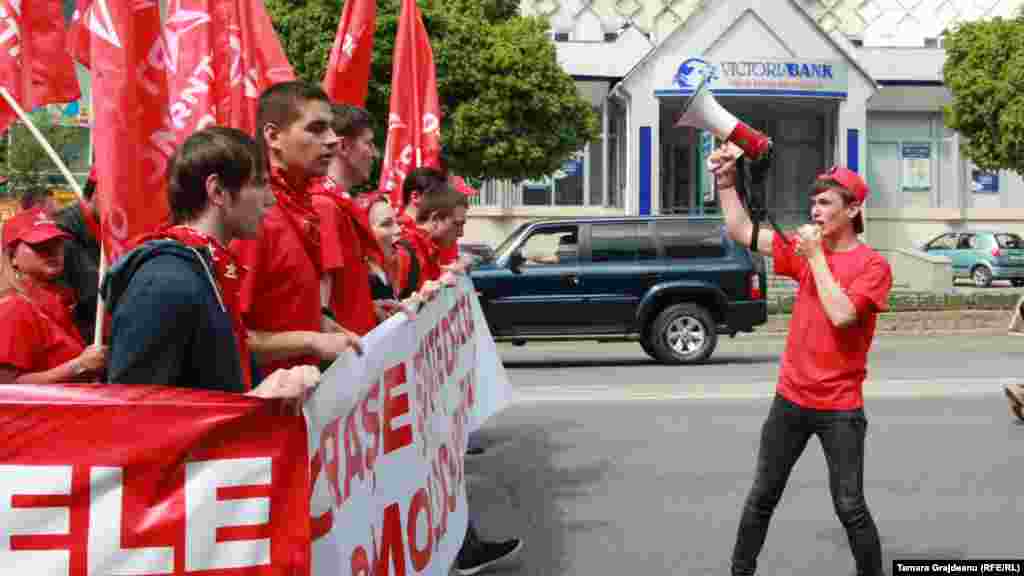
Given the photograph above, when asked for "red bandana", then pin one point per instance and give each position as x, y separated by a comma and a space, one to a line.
297, 208
228, 275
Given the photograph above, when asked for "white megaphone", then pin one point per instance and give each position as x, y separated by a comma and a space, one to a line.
702, 111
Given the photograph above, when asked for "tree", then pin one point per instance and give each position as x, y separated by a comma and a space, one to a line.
985, 72
509, 109
25, 162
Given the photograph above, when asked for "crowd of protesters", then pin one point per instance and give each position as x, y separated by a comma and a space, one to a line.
267, 270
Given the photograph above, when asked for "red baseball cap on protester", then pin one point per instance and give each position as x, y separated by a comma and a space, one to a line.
32, 226
846, 178
460, 184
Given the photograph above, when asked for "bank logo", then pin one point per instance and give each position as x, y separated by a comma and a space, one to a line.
692, 71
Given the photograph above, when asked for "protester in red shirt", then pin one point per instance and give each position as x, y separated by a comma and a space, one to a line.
39, 342
843, 285
280, 296
440, 216
419, 180
393, 271
175, 296
344, 232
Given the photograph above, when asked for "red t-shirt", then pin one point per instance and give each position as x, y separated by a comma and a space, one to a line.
824, 366
281, 289
38, 335
342, 239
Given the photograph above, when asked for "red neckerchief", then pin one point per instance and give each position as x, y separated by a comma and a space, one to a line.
228, 273
297, 208
355, 211
92, 223
431, 251
55, 303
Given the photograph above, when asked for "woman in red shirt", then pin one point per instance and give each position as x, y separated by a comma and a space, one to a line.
39, 343
393, 269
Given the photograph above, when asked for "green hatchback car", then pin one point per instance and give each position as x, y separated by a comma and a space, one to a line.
982, 255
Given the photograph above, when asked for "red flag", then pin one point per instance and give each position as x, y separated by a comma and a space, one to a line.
219, 55
34, 64
78, 34
414, 123
131, 137
347, 78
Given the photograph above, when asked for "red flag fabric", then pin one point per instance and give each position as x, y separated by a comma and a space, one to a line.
347, 78
414, 122
220, 55
131, 137
34, 64
154, 480
78, 34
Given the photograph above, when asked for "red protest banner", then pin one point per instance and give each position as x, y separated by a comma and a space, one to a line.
347, 78
414, 121
34, 64
150, 480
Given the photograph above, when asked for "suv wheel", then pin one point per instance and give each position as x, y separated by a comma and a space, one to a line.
982, 276
683, 334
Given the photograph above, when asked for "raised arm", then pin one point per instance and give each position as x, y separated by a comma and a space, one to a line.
722, 163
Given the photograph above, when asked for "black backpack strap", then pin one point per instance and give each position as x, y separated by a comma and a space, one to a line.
413, 280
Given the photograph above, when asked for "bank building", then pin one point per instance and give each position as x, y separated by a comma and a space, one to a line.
850, 82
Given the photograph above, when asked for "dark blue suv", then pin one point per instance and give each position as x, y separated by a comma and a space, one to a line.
673, 283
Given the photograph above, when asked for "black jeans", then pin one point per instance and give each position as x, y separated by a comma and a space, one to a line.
783, 437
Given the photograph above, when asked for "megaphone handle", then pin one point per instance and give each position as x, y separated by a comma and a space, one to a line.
755, 209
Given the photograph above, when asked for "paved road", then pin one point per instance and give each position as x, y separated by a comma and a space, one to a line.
609, 464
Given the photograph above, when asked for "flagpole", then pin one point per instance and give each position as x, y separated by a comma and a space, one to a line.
98, 334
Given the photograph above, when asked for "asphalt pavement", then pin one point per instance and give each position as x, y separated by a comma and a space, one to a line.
610, 464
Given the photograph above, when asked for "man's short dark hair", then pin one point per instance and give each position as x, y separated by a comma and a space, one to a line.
423, 180
442, 201
350, 121
231, 154
34, 196
282, 103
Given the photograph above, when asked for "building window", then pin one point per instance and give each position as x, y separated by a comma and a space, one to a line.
911, 161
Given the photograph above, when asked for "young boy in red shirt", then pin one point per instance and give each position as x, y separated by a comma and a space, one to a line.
843, 285
280, 295
344, 231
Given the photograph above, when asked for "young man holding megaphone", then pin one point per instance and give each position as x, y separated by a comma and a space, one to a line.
843, 285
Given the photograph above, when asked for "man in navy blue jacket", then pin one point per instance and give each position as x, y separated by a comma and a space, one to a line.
174, 297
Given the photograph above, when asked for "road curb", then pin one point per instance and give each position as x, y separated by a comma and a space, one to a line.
921, 322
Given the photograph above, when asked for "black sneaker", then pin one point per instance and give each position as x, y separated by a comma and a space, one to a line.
484, 554
474, 450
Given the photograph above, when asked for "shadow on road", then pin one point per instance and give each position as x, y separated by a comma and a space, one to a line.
534, 511
625, 362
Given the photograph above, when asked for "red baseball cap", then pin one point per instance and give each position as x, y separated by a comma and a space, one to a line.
460, 184
848, 179
32, 226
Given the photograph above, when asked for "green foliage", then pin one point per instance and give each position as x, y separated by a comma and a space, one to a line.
25, 163
509, 110
985, 71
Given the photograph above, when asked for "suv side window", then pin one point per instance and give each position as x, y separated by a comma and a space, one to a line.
944, 242
691, 239
621, 242
549, 246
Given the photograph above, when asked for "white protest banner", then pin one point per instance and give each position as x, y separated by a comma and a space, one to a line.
388, 433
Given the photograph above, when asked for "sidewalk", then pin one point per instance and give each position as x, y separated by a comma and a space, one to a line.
921, 322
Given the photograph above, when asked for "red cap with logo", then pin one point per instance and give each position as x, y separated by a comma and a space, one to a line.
32, 226
846, 178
